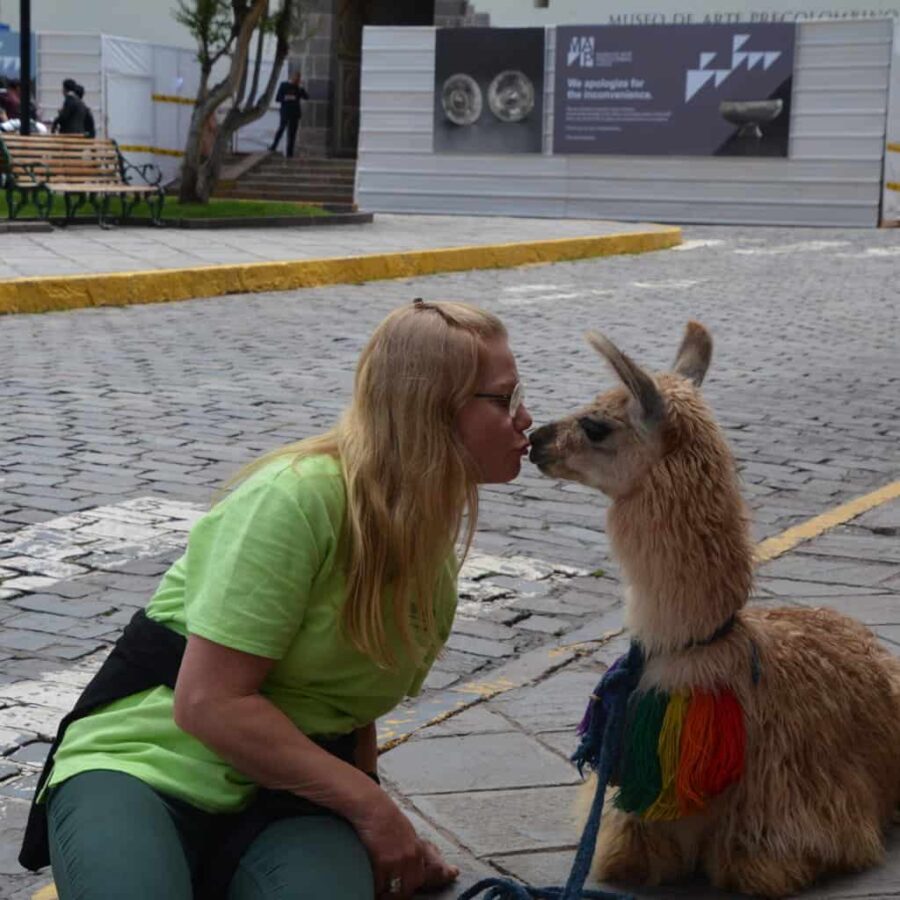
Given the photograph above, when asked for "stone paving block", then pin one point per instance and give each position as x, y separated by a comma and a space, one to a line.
19, 788
543, 625
32, 754
563, 742
459, 663
871, 609
62, 606
787, 588
882, 520
499, 822
40, 720
480, 646
72, 648
452, 764
13, 814
474, 720
830, 571
438, 680
43, 693
14, 639
479, 628
13, 738
556, 703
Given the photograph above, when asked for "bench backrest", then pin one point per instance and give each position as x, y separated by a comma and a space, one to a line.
70, 158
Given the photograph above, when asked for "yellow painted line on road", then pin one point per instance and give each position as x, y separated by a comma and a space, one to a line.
780, 544
53, 293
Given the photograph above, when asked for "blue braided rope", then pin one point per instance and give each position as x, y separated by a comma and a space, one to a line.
600, 747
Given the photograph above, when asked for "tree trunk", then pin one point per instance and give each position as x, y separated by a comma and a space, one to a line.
198, 175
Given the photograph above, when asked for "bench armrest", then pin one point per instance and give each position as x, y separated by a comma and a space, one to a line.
150, 173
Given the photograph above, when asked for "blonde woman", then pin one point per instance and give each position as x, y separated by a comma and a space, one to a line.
310, 601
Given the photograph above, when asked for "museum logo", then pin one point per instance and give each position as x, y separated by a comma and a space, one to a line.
581, 51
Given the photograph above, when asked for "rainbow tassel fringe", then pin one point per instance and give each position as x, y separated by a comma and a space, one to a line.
679, 751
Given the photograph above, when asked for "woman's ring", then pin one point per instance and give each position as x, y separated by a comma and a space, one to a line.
395, 885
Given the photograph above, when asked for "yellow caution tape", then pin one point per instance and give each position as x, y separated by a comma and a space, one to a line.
173, 98
141, 148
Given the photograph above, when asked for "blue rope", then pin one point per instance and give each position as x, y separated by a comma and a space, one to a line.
600, 747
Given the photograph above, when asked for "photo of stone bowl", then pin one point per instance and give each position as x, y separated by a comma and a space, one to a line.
511, 96
461, 99
750, 114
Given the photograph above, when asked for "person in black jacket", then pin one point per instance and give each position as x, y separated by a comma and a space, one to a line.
90, 129
289, 95
72, 114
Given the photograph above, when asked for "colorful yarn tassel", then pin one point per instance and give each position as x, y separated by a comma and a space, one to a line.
666, 806
679, 751
641, 780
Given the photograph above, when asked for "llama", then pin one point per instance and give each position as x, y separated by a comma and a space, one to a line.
777, 757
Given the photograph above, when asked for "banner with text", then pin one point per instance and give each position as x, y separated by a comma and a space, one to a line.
691, 90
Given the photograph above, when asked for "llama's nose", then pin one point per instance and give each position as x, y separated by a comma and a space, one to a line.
541, 439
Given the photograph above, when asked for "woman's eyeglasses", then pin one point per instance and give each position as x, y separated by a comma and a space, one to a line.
513, 401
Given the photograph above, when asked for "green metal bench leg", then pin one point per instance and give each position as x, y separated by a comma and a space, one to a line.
12, 208
100, 205
129, 201
156, 206
43, 200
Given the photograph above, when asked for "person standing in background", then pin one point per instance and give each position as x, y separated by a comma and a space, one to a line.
90, 129
72, 114
289, 95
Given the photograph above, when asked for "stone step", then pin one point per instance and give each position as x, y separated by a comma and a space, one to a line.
309, 196
308, 162
262, 181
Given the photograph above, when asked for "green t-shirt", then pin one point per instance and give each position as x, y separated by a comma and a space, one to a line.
263, 573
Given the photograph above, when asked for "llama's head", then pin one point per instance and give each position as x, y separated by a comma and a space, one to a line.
616, 441
677, 523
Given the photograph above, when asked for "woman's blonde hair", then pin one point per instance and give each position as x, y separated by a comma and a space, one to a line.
410, 482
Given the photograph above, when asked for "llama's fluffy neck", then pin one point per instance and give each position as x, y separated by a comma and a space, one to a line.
683, 543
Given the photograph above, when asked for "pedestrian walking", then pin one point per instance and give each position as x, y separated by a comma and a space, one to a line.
228, 745
90, 129
289, 95
73, 113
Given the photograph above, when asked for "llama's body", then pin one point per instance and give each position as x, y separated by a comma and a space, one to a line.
820, 696
822, 767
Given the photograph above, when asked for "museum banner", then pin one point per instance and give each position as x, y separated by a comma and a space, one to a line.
488, 90
674, 90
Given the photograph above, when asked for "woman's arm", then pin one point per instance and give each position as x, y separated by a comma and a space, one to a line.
217, 700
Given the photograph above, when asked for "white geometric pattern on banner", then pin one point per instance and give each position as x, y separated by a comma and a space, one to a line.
702, 75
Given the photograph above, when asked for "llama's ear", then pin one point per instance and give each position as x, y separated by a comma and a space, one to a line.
638, 382
694, 354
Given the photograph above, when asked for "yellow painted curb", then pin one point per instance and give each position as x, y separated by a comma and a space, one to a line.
46, 294
776, 546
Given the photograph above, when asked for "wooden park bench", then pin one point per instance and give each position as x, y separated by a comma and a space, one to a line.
80, 170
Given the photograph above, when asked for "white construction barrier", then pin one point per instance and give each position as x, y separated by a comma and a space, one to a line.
141, 94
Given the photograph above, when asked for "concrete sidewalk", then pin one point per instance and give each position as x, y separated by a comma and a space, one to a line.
493, 787
84, 267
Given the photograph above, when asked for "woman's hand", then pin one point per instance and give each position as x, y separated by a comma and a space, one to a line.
438, 872
398, 856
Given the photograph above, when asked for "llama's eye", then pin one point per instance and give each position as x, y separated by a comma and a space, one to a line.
595, 430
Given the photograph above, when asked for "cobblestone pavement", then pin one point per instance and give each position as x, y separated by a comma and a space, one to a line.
120, 424
87, 249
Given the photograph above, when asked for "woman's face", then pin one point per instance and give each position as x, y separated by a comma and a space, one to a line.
495, 440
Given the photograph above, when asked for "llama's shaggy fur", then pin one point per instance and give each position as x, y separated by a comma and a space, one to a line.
822, 765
